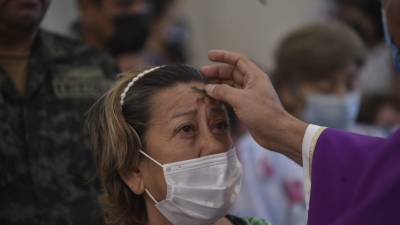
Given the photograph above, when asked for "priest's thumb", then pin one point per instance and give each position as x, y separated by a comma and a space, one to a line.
223, 92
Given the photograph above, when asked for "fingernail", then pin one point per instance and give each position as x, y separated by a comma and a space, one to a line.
210, 88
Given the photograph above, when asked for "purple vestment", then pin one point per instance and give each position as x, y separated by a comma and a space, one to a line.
355, 180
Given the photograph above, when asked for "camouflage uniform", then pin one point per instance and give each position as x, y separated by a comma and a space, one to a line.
46, 169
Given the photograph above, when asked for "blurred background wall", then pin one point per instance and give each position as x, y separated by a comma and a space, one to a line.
60, 16
242, 25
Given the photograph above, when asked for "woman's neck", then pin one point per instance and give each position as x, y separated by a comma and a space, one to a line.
153, 214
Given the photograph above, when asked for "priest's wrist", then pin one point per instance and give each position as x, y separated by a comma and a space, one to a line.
287, 138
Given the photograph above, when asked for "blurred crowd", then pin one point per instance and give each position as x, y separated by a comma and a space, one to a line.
336, 72
136, 33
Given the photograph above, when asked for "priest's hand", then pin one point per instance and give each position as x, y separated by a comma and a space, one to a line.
238, 82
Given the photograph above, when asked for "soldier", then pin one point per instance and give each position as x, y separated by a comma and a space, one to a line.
47, 83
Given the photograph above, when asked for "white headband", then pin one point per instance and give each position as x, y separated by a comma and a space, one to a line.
123, 94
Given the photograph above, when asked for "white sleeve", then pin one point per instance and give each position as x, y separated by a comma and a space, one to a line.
309, 140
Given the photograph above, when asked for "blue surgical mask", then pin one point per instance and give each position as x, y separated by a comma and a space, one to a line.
394, 50
331, 110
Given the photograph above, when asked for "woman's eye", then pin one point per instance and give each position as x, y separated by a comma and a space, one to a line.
222, 127
187, 130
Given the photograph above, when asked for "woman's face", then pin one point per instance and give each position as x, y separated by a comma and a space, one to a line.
184, 124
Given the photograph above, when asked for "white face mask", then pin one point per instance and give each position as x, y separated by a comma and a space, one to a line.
199, 191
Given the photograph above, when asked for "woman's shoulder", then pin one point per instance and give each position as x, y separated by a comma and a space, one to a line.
246, 220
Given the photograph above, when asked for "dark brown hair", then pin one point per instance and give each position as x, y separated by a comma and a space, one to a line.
117, 133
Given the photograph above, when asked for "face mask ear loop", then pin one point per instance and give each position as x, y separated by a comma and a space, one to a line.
151, 196
155, 161
149, 157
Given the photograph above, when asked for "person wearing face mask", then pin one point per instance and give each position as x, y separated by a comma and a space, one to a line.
317, 68
163, 151
323, 88
120, 27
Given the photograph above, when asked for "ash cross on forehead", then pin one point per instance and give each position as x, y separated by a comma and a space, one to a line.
202, 92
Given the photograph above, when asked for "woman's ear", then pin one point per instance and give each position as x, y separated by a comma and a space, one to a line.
134, 180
